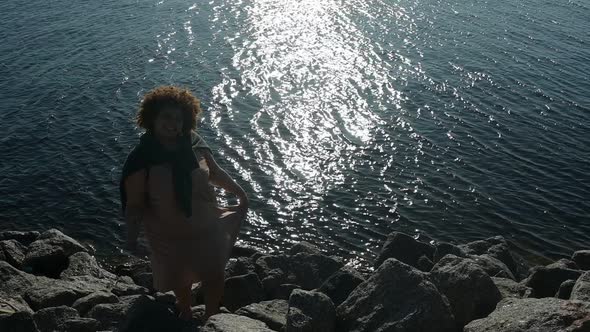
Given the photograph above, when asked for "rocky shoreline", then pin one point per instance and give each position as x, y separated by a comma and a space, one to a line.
51, 282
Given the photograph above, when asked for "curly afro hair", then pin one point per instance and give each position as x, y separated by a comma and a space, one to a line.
168, 96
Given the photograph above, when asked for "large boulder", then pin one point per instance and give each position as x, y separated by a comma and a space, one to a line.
273, 313
48, 255
511, 288
405, 249
470, 291
445, 248
13, 252
499, 248
239, 266
545, 280
24, 238
582, 259
54, 319
397, 297
341, 284
310, 311
21, 321
14, 282
233, 323
84, 304
304, 247
493, 266
83, 264
535, 315
242, 290
581, 289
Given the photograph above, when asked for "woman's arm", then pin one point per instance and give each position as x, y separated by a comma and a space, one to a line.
219, 177
135, 189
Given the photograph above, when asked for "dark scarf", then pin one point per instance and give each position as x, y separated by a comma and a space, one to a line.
149, 153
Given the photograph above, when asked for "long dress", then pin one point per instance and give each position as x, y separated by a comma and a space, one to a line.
184, 250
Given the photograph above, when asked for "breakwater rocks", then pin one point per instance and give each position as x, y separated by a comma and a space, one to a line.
51, 282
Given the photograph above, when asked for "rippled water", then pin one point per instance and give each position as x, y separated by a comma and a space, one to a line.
344, 120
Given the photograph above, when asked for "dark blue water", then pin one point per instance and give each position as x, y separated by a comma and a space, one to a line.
344, 120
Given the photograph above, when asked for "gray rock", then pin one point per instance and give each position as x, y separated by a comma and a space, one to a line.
146, 280
396, 297
310, 311
14, 282
239, 266
424, 264
45, 295
239, 251
82, 264
493, 266
198, 313
21, 321
535, 315
445, 248
304, 247
283, 292
470, 291
582, 259
341, 284
498, 248
511, 288
84, 304
13, 252
53, 319
48, 255
233, 323
80, 324
167, 297
273, 313
13, 304
545, 280
242, 290
24, 238
581, 290
564, 263
565, 289
404, 248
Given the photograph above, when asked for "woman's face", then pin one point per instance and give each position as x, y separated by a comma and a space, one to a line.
168, 123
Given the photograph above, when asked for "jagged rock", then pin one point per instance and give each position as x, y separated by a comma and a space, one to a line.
233, 323
511, 288
14, 282
404, 248
82, 264
498, 248
13, 304
341, 284
395, 296
84, 304
24, 238
470, 291
545, 280
565, 289
564, 263
273, 313
146, 280
140, 271
304, 247
582, 259
239, 251
424, 264
308, 271
198, 313
493, 266
80, 324
242, 290
48, 255
546, 314
445, 248
47, 295
310, 311
53, 319
13, 252
581, 290
21, 321
239, 266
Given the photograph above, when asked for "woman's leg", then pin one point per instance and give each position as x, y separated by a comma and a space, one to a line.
183, 301
213, 288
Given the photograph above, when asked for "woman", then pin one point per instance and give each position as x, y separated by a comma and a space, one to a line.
166, 186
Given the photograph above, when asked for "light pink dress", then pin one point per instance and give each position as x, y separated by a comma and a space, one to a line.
184, 250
